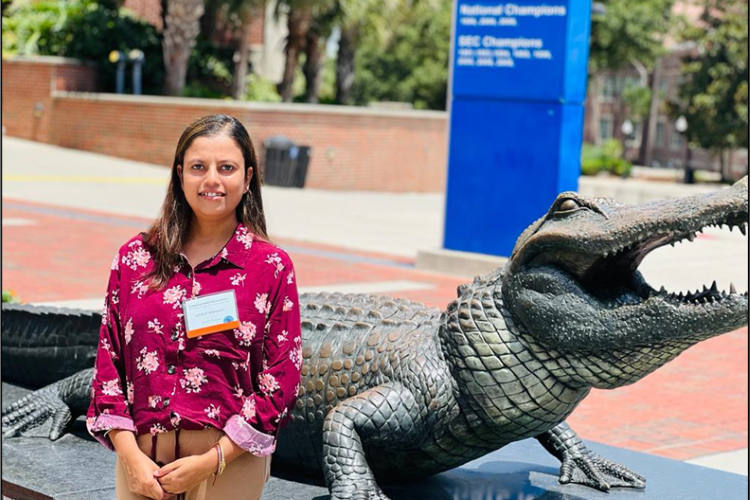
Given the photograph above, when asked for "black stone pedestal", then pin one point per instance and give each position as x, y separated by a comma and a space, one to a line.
78, 468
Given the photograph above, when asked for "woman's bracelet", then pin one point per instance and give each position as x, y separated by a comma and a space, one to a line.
222, 463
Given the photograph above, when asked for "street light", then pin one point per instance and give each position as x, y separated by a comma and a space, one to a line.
681, 126
137, 57
627, 128
117, 57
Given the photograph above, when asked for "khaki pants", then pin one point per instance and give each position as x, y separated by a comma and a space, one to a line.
243, 479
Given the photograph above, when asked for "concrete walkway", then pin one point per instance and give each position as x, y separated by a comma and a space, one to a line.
387, 223
366, 242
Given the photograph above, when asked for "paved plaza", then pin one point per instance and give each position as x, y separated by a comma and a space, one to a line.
65, 214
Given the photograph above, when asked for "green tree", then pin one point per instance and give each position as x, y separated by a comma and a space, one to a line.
629, 33
411, 64
359, 19
714, 95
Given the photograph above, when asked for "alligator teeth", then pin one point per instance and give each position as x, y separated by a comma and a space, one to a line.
662, 290
732, 289
714, 287
743, 230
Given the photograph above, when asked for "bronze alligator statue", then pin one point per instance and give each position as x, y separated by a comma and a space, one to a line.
392, 390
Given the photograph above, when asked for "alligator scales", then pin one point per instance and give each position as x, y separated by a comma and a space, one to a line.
393, 390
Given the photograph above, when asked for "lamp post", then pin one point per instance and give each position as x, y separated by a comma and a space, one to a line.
681, 125
627, 129
137, 57
118, 57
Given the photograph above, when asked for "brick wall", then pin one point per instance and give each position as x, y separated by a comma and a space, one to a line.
352, 148
148, 10
27, 84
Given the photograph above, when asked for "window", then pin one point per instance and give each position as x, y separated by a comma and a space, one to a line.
606, 128
661, 135
664, 87
608, 88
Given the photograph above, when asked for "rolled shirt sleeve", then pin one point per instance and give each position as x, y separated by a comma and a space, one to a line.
109, 408
266, 411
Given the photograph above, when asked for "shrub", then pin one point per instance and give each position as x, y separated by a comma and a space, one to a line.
84, 29
9, 296
607, 157
261, 90
209, 71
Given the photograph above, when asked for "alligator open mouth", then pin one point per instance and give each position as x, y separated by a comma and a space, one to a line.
597, 246
611, 274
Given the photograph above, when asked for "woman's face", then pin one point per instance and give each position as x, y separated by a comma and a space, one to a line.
213, 177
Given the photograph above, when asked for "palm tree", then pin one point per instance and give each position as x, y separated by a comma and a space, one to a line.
359, 18
181, 27
245, 11
325, 17
300, 16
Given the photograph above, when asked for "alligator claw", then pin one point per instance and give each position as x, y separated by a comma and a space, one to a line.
590, 469
364, 490
35, 410
363, 495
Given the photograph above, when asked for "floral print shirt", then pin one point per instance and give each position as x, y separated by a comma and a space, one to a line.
150, 377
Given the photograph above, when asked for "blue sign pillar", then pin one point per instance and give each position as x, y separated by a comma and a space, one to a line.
518, 83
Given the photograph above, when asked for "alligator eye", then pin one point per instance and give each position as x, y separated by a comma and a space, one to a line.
568, 206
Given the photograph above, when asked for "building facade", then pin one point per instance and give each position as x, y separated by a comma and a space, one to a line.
655, 140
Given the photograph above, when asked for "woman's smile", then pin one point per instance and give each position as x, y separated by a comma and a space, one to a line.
212, 195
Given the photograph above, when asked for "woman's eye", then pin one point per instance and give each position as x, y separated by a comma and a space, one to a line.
228, 168
197, 167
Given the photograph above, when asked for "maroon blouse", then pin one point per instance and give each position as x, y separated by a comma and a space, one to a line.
151, 378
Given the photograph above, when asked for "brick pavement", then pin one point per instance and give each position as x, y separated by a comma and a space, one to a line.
694, 406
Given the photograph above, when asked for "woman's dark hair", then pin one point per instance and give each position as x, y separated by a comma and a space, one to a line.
170, 230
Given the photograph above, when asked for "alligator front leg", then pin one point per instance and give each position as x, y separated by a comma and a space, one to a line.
582, 466
383, 414
61, 402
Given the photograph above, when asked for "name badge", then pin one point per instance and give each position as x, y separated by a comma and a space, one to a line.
210, 313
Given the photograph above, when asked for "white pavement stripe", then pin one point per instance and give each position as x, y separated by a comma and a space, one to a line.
370, 287
732, 461
85, 304
7, 221
374, 287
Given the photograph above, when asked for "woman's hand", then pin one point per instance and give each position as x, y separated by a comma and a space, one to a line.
140, 471
187, 473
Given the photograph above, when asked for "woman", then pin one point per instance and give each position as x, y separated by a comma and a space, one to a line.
200, 350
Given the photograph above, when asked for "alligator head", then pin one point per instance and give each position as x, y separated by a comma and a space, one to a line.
573, 285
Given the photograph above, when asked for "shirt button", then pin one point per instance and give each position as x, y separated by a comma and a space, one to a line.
166, 402
171, 369
174, 336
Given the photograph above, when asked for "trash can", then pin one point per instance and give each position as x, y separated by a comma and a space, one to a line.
284, 162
